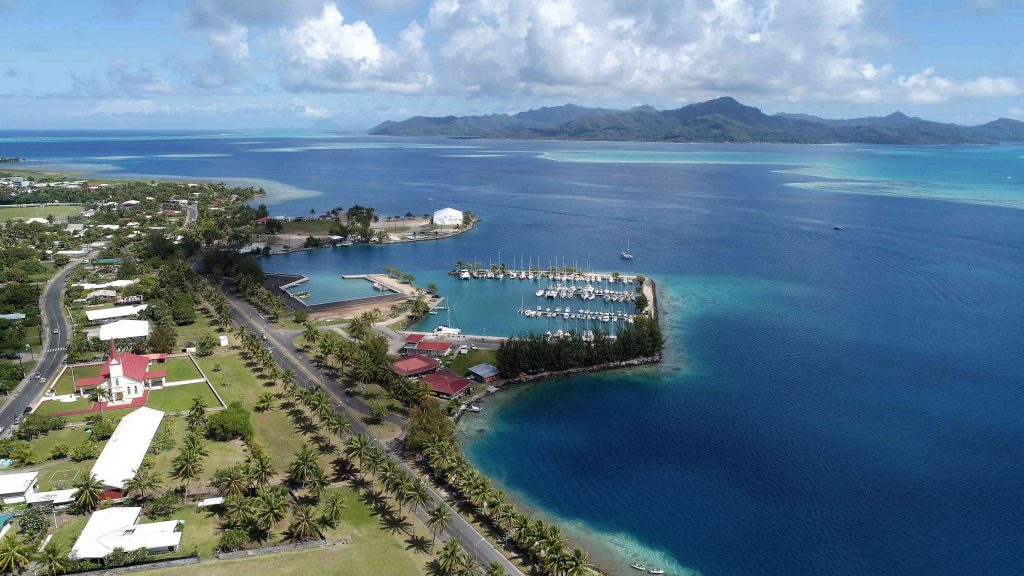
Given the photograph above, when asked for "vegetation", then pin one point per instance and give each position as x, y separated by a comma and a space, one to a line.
535, 353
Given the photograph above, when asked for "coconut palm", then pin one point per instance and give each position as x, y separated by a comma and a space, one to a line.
450, 559
577, 564
310, 334
343, 352
88, 490
15, 555
53, 559
270, 508
237, 510
337, 424
144, 480
317, 482
259, 466
99, 395
469, 566
304, 525
265, 402
196, 417
332, 509
376, 461
357, 448
418, 496
231, 481
495, 569
304, 467
187, 466
195, 443
438, 519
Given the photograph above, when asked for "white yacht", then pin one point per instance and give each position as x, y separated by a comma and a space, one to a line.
464, 274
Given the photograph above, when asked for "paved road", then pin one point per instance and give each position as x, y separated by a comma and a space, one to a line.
279, 342
50, 359
191, 213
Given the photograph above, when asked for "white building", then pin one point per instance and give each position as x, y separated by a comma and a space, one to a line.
117, 312
111, 284
124, 329
16, 488
120, 528
447, 217
125, 376
124, 452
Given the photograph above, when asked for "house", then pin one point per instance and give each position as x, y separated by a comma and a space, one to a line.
16, 488
414, 365
117, 312
432, 348
127, 447
119, 528
411, 341
101, 294
75, 229
446, 383
128, 300
14, 316
483, 373
124, 329
125, 376
447, 217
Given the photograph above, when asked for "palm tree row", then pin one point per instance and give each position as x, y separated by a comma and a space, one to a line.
16, 554
541, 544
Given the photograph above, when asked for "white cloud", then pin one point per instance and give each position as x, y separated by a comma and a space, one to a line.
1016, 112
324, 53
147, 107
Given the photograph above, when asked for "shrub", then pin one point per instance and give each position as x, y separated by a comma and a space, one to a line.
33, 524
165, 505
205, 345
87, 450
102, 428
232, 539
301, 317
35, 425
60, 450
229, 424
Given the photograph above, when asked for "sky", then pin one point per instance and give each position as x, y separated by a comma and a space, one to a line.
238, 64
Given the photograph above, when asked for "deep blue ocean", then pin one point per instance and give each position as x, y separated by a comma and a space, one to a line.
833, 403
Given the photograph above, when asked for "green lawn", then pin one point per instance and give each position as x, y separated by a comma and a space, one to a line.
178, 369
193, 332
66, 384
200, 534
42, 445
222, 455
461, 363
51, 407
179, 398
69, 530
24, 213
373, 552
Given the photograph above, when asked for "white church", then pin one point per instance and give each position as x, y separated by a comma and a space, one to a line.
125, 376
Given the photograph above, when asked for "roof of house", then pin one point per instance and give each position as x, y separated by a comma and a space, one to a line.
413, 338
124, 452
124, 329
449, 211
117, 528
484, 370
436, 345
53, 496
446, 382
118, 312
17, 483
101, 294
14, 316
413, 365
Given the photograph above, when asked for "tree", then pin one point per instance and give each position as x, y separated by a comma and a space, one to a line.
205, 345
100, 395
310, 334
450, 559
577, 563
438, 519
641, 303
304, 525
379, 412
332, 510
88, 490
231, 481
428, 419
417, 495
53, 559
196, 418
234, 422
15, 554
357, 448
304, 467
495, 569
187, 466
162, 339
265, 402
432, 288
145, 480
259, 466
270, 507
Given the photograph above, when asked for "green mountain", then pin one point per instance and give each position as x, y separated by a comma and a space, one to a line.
719, 120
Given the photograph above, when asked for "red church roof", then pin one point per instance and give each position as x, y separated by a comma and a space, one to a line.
413, 365
446, 382
134, 366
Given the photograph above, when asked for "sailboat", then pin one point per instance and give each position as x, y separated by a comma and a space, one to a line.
626, 255
447, 329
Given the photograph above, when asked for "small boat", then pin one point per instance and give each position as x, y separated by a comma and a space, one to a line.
626, 254
464, 274
539, 293
838, 228
475, 408
638, 566
656, 571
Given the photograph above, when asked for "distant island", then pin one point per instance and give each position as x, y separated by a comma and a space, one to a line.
719, 120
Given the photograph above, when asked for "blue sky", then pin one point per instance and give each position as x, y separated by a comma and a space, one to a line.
290, 63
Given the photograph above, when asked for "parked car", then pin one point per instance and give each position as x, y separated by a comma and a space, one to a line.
56, 330
463, 349
27, 410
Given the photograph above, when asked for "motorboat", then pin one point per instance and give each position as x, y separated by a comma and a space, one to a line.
464, 275
638, 566
837, 228
656, 571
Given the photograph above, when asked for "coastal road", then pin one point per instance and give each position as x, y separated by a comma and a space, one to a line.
279, 342
52, 356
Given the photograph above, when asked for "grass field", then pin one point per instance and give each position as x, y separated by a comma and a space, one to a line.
179, 398
222, 455
462, 363
178, 369
51, 407
69, 530
66, 384
24, 213
373, 552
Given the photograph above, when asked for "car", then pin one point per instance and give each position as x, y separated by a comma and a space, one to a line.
56, 330
37, 376
27, 410
264, 336
463, 349
17, 421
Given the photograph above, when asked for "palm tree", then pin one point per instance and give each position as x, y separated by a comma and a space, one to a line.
144, 480
304, 467
196, 417
304, 525
337, 424
187, 466
310, 334
270, 508
317, 482
195, 443
343, 352
15, 555
259, 466
99, 395
88, 490
578, 565
265, 402
332, 507
450, 558
357, 448
363, 369
469, 566
495, 569
53, 559
237, 510
438, 519
417, 495
375, 461
231, 481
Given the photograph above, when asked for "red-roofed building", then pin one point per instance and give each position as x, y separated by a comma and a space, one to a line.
432, 348
414, 365
446, 383
125, 376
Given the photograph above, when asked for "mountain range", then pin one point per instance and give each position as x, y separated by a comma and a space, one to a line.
719, 120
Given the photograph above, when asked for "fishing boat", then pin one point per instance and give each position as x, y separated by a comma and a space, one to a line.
638, 566
837, 228
304, 294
